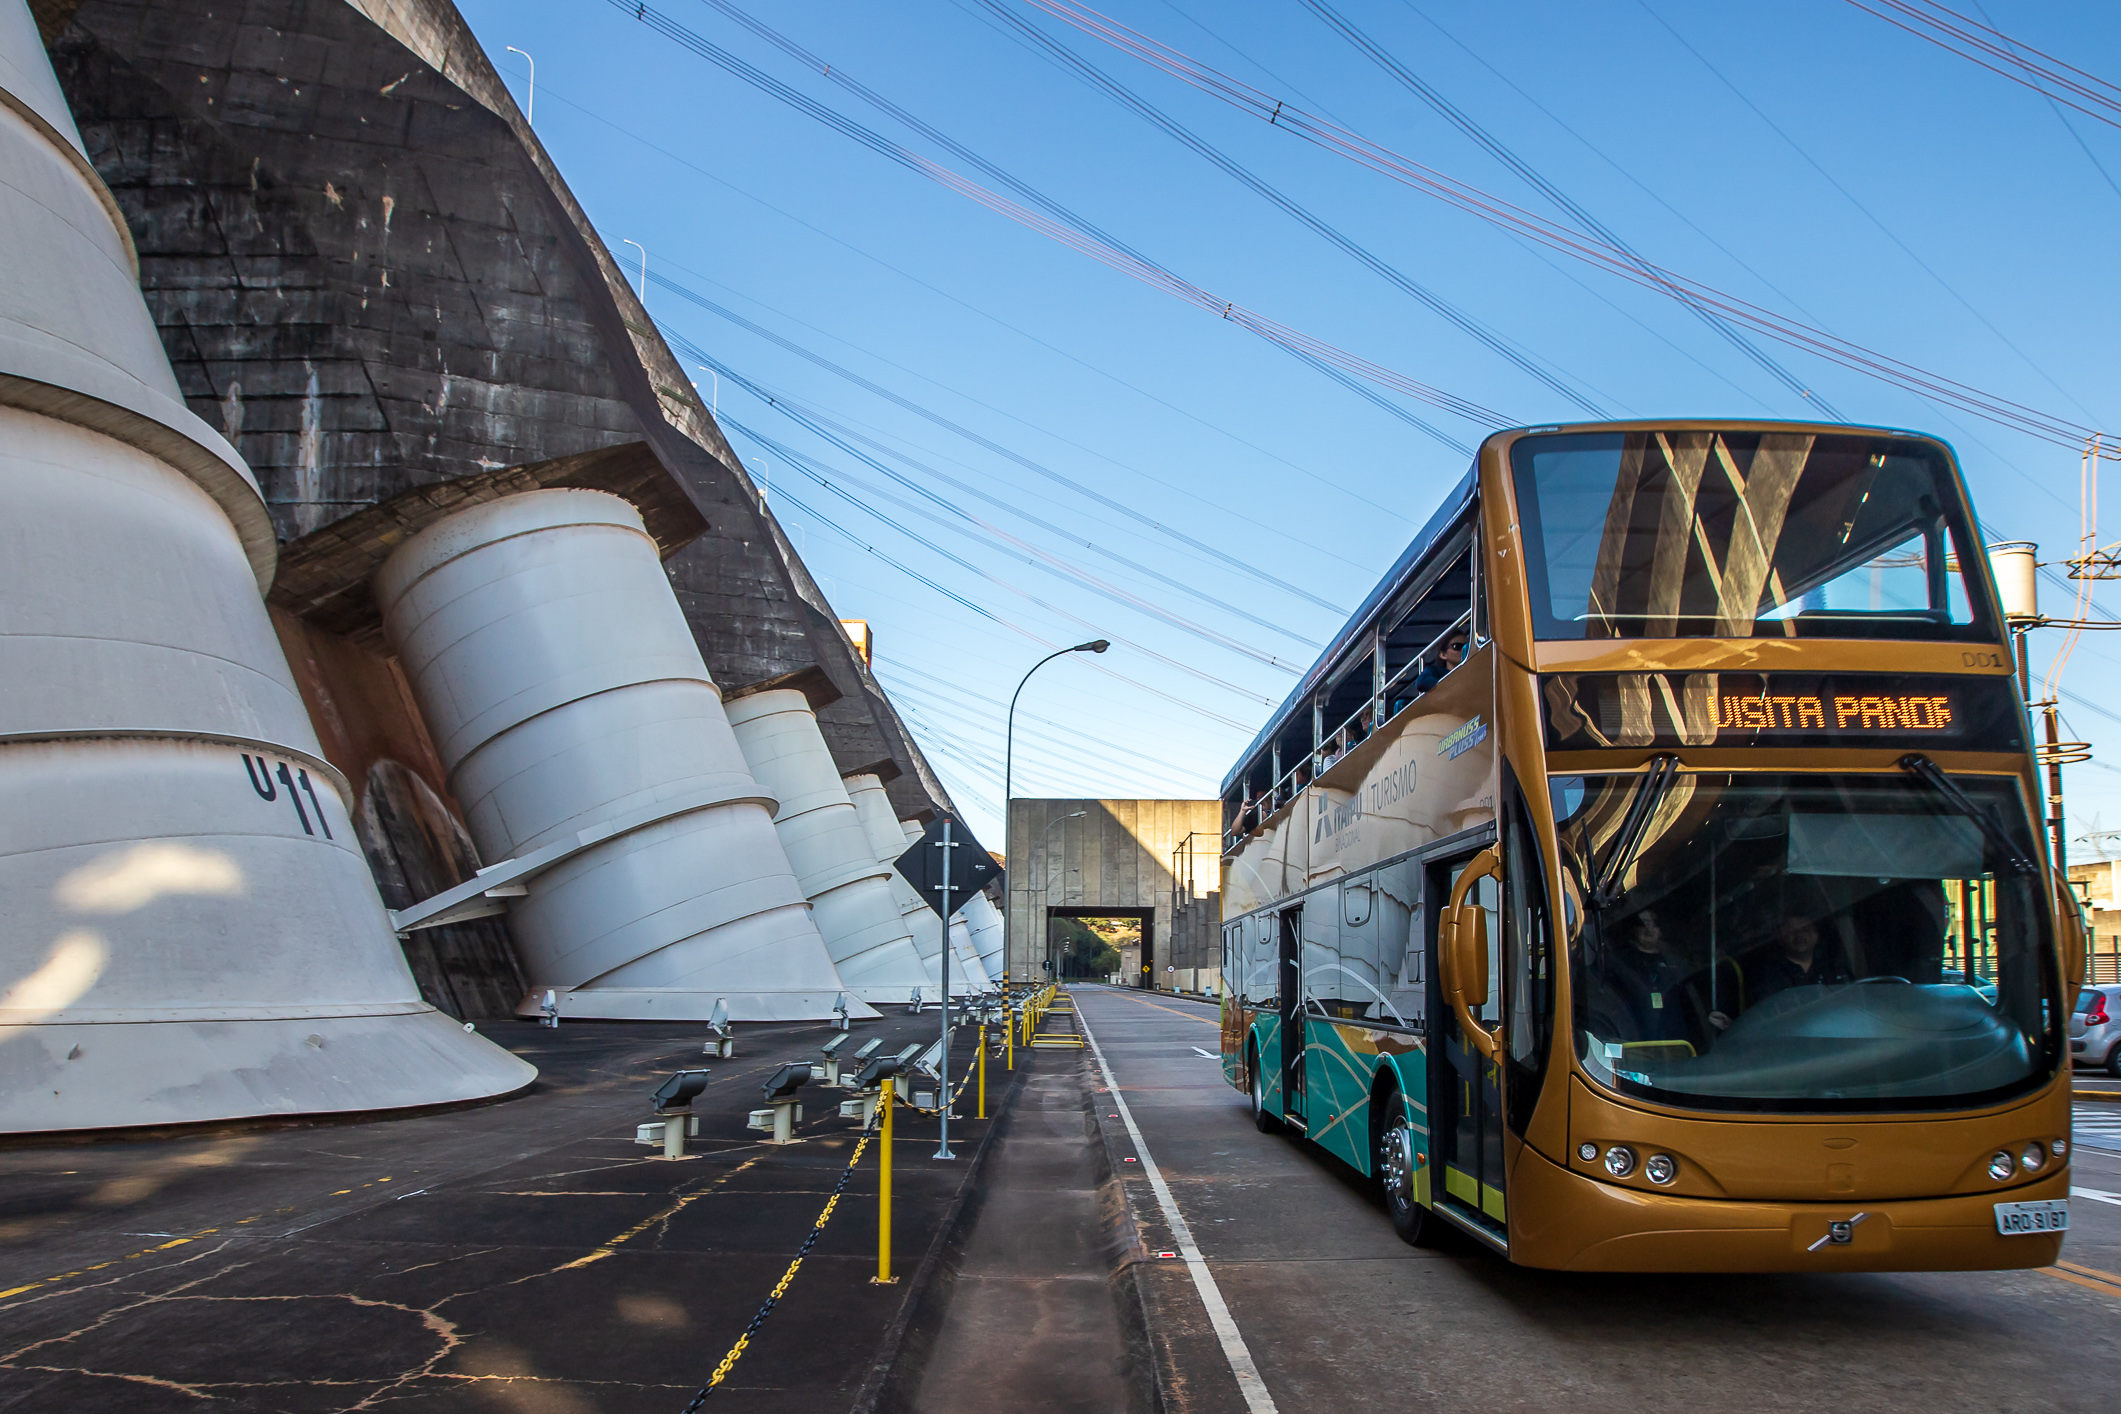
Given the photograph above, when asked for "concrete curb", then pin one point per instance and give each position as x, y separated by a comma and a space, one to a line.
894, 1376
1171, 1352
1127, 1253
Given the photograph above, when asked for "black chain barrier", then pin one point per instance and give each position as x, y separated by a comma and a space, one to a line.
780, 1287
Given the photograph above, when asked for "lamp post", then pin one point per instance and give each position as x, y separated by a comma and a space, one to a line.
1096, 645
530, 98
1043, 836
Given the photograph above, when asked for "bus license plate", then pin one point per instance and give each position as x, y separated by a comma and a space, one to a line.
2049, 1215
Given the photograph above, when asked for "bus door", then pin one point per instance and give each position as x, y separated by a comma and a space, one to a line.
1465, 1099
1291, 991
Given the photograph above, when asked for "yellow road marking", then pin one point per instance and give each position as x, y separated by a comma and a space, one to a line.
160, 1247
84, 1271
2099, 1286
2092, 1273
1215, 1021
664, 1215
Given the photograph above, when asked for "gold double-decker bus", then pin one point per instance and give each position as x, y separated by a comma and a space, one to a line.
1649, 875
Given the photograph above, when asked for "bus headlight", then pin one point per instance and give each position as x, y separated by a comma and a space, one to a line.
2002, 1165
2034, 1155
1587, 1151
2061, 1146
1620, 1160
1661, 1168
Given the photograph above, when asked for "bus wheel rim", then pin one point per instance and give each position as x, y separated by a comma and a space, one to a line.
1399, 1169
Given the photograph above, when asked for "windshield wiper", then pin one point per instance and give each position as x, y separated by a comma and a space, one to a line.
1656, 782
1926, 771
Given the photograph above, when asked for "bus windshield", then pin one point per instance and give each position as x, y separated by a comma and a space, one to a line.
1805, 942
1732, 534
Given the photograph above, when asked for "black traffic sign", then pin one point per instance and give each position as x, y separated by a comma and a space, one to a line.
970, 866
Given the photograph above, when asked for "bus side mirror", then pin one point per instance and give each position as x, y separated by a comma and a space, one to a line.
1462, 947
2069, 921
1469, 959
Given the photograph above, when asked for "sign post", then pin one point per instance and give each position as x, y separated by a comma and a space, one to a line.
946, 866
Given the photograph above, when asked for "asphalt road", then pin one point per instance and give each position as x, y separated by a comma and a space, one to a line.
1334, 1312
520, 1256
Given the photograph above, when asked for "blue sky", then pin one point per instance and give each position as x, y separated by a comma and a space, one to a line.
1805, 156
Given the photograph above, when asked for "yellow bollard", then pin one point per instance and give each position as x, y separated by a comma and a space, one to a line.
1009, 1039
883, 1192
982, 1074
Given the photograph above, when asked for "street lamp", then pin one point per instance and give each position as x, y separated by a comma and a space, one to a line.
1043, 836
1096, 645
530, 99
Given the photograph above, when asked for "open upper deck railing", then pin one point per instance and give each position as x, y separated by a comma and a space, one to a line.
1328, 747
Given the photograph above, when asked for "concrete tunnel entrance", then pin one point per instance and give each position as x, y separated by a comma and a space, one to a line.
1096, 944
1070, 861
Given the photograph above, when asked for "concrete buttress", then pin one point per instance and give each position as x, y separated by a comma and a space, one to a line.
188, 929
849, 888
873, 807
572, 709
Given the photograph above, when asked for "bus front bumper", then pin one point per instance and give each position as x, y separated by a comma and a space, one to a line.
1570, 1222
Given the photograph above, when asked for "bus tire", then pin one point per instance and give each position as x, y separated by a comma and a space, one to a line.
1391, 1162
1262, 1121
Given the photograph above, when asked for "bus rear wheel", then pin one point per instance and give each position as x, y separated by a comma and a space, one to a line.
1394, 1166
1262, 1121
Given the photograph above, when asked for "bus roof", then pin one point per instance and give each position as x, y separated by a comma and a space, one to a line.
1402, 569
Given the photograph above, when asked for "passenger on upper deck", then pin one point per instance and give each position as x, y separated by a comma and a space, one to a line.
1447, 659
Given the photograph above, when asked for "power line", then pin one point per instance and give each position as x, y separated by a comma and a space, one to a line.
1584, 220
1675, 212
1148, 769
826, 478
842, 438
959, 691
1316, 352
1219, 505
988, 445
997, 320
1512, 217
2067, 125
1997, 52
1870, 216
1040, 200
1304, 216
990, 615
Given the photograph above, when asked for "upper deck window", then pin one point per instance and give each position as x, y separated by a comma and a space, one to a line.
1703, 534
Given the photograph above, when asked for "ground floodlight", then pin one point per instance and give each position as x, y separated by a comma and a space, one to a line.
718, 1019
676, 1093
907, 1055
832, 1047
786, 1081
869, 1048
878, 1071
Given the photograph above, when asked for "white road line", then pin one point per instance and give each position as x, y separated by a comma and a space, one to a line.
1209, 1054
1257, 1400
2096, 1128
2097, 1195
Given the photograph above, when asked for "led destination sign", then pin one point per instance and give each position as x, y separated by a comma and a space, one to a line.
1809, 712
1586, 711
